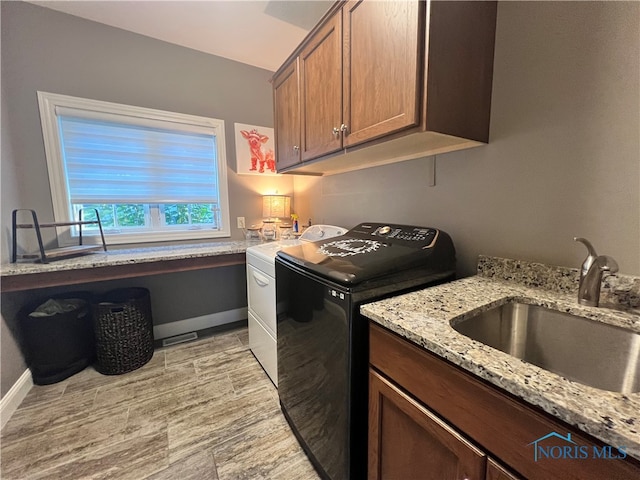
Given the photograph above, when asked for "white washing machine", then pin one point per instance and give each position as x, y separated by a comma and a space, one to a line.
261, 294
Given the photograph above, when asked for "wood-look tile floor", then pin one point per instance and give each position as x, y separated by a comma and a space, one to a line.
198, 410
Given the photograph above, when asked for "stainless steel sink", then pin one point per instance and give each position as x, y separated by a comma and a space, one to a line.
589, 352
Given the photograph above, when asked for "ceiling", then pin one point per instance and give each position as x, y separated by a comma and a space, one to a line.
258, 33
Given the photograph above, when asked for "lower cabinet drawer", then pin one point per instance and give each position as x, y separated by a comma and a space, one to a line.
261, 295
264, 347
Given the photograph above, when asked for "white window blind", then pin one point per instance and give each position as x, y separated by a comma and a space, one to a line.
154, 175
118, 162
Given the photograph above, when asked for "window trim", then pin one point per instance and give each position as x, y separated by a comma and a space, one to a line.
62, 209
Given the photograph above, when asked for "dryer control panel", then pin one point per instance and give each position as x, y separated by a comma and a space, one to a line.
412, 236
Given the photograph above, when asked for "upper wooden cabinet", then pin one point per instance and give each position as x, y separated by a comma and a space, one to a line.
320, 92
381, 82
380, 68
286, 99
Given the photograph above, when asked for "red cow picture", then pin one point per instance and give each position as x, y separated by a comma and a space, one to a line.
260, 151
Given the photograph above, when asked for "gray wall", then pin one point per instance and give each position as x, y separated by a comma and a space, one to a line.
50, 51
11, 363
563, 158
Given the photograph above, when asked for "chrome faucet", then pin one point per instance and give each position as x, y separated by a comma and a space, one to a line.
591, 274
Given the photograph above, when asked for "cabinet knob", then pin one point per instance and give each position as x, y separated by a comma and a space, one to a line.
344, 128
336, 131
296, 148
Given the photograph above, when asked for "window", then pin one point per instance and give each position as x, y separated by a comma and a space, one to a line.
151, 175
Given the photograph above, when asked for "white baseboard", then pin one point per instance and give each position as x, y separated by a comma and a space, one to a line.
12, 400
199, 323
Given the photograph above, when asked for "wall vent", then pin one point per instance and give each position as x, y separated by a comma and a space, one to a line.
185, 337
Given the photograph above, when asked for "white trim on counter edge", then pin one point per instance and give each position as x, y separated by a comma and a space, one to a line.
14, 397
187, 325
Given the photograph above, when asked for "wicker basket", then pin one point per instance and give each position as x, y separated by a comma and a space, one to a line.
123, 330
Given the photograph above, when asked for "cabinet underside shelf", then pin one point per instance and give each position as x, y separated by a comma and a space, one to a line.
409, 147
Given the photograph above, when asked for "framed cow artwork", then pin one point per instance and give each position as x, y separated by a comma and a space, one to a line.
255, 150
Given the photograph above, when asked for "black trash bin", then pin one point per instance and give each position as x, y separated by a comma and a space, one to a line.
58, 345
123, 330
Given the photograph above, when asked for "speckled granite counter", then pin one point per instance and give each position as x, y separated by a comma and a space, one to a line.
425, 317
121, 264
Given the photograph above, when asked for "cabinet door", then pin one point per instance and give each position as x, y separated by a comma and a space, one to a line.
408, 441
286, 101
321, 90
382, 67
495, 471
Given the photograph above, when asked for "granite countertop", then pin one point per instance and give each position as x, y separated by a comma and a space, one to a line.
128, 256
424, 317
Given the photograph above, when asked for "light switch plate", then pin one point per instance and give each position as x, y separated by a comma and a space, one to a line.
240, 222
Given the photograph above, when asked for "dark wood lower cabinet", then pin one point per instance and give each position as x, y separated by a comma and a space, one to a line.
406, 441
431, 420
498, 472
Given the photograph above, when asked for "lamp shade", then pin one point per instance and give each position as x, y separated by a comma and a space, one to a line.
276, 206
